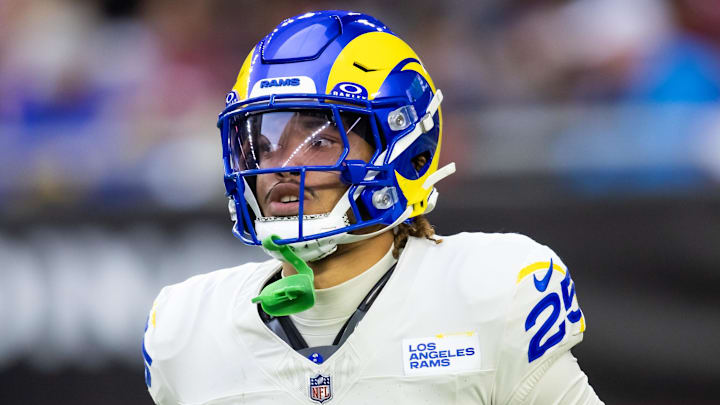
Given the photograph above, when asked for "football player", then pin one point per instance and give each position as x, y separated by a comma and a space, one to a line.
331, 140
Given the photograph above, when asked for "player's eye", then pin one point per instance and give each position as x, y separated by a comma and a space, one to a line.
264, 147
322, 143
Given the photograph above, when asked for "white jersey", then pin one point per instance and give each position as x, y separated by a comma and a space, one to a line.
473, 320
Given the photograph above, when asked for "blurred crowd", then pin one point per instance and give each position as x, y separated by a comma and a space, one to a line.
114, 101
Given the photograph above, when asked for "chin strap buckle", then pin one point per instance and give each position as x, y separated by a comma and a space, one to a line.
439, 175
353, 171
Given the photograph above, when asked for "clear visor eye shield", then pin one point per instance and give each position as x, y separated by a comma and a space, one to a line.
288, 159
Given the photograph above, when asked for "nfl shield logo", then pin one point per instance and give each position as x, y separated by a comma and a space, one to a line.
320, 388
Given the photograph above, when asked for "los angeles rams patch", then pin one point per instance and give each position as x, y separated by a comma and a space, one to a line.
441, 354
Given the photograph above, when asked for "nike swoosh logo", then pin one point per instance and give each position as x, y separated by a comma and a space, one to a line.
541, 285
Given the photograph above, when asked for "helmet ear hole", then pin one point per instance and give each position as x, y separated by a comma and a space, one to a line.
420, 161
362, 210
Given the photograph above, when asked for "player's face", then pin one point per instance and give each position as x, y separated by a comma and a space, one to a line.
305, 140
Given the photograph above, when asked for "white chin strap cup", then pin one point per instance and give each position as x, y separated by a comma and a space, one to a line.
287, 227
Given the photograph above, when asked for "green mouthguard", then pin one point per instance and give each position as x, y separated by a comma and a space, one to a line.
291, 294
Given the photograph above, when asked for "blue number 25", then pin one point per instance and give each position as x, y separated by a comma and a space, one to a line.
536, 349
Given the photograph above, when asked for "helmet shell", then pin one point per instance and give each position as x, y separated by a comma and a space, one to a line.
354, 60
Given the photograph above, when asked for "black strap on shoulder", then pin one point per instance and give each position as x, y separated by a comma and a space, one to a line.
286, 330
362, 309
282, 325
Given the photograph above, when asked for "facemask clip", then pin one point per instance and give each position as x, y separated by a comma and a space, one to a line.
353, 171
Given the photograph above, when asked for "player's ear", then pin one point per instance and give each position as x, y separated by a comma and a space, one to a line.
420, 160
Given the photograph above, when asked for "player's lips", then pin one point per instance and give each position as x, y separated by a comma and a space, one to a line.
282, 199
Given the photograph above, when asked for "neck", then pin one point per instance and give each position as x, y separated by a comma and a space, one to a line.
348, 261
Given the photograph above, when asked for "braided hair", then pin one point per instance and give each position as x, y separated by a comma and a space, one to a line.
420, 227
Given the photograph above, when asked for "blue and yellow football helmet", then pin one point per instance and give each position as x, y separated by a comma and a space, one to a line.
312, 95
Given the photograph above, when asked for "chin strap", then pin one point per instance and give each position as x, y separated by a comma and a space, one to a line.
351, 237
291, 294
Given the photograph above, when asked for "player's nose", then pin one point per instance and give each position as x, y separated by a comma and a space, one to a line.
288, 174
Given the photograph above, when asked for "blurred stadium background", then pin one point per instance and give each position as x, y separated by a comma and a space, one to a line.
591, 125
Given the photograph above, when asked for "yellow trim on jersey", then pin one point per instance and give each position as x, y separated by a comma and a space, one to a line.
243, 79
153, 312
444, 335
527, 270
582, 323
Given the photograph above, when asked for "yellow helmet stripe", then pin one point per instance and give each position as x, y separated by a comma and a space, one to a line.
380, 52
243, 79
